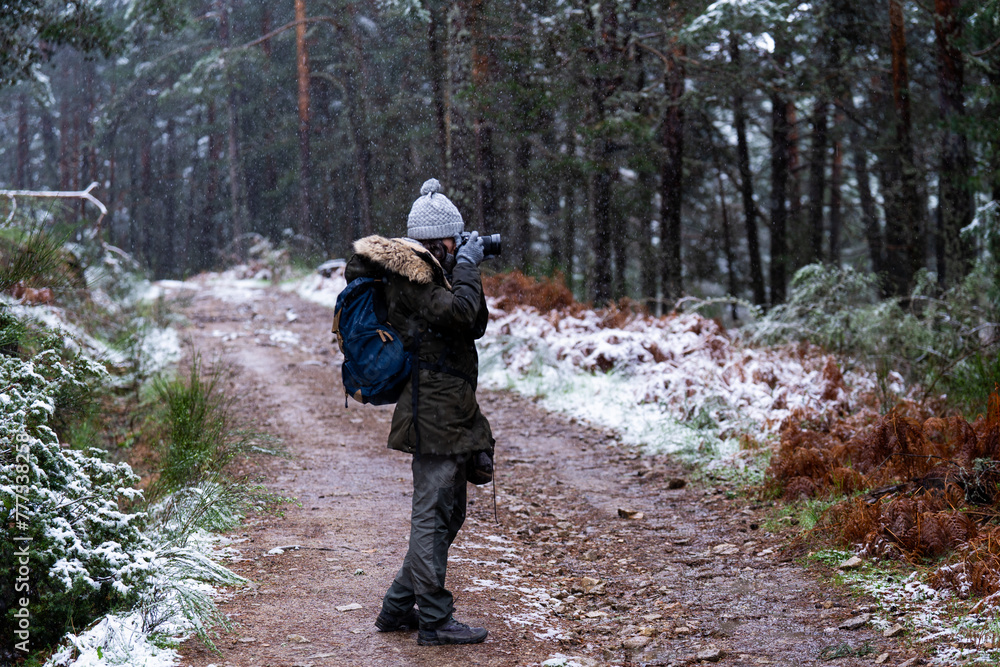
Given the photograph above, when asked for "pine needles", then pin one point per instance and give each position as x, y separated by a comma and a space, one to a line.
30, 256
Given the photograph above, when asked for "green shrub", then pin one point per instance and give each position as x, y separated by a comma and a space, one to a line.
972, 380
95, 550
200, 432
932, 338
32, 256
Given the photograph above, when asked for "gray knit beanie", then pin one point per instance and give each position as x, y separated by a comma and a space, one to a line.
433, 216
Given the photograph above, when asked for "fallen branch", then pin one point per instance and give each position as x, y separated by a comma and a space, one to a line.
61, 194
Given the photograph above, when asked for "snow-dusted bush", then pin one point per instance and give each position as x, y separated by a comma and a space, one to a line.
69, 547
925, 337
83, 562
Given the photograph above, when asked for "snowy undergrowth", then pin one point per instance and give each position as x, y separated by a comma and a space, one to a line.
108, 583
156, 347
177, 602
88, 555
679, 384
959, 631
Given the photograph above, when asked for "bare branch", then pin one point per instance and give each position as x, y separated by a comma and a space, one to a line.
288, 26
987, 49
665, 58
60, 194
655, 52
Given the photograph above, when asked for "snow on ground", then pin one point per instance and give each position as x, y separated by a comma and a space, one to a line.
114, 640
929, 615
537, 607
320, 289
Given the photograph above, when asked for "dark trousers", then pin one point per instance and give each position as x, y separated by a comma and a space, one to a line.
439, 496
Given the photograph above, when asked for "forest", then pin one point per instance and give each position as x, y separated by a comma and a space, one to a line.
744, 326
647, 150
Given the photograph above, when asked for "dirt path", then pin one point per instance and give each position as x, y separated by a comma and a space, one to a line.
563, 573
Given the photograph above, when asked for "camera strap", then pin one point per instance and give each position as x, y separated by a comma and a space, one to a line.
415, 389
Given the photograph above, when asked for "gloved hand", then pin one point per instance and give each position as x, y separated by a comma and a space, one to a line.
471, 251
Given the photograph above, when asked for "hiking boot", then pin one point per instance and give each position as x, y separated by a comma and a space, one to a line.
387, 622
452, 632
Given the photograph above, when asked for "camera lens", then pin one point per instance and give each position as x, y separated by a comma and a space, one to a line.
492, 245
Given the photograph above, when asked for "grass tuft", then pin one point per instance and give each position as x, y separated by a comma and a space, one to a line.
200, 430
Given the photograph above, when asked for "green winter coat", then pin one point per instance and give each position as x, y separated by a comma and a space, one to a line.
448, 320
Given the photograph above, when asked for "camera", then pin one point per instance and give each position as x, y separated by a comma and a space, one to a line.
491, 243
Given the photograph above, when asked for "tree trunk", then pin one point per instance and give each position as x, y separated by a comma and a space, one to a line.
490, 188
144, 213
568, 215
208, 241
74, 173
263, 178
648, 272
521, 241
602, 84
569, 198
836, 198
89, 170
359, 123
21, 174
817, 179
671, 176
797, 234
869, 215
619, 248
438, 58
993, 181
904, 221
549, 194
305, 158
489, 210
602, 224
65, 145
462, 151
956, 202
780, 148
169, 185
237, 186
746, 183
727, 240
50, 146
265, 28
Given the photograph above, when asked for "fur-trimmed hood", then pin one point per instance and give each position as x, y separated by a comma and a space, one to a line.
404, 257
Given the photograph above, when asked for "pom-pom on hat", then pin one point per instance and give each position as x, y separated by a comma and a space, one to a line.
433, 216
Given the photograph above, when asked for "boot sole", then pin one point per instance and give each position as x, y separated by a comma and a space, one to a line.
422, 641
398, 627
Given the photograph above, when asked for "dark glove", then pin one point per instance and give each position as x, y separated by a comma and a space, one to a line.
471, 251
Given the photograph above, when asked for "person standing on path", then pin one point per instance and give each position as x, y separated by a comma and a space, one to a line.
434, 298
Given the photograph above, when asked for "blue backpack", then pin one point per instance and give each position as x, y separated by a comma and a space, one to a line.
376, 367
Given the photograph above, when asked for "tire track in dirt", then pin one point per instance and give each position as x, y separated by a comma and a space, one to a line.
563, 573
